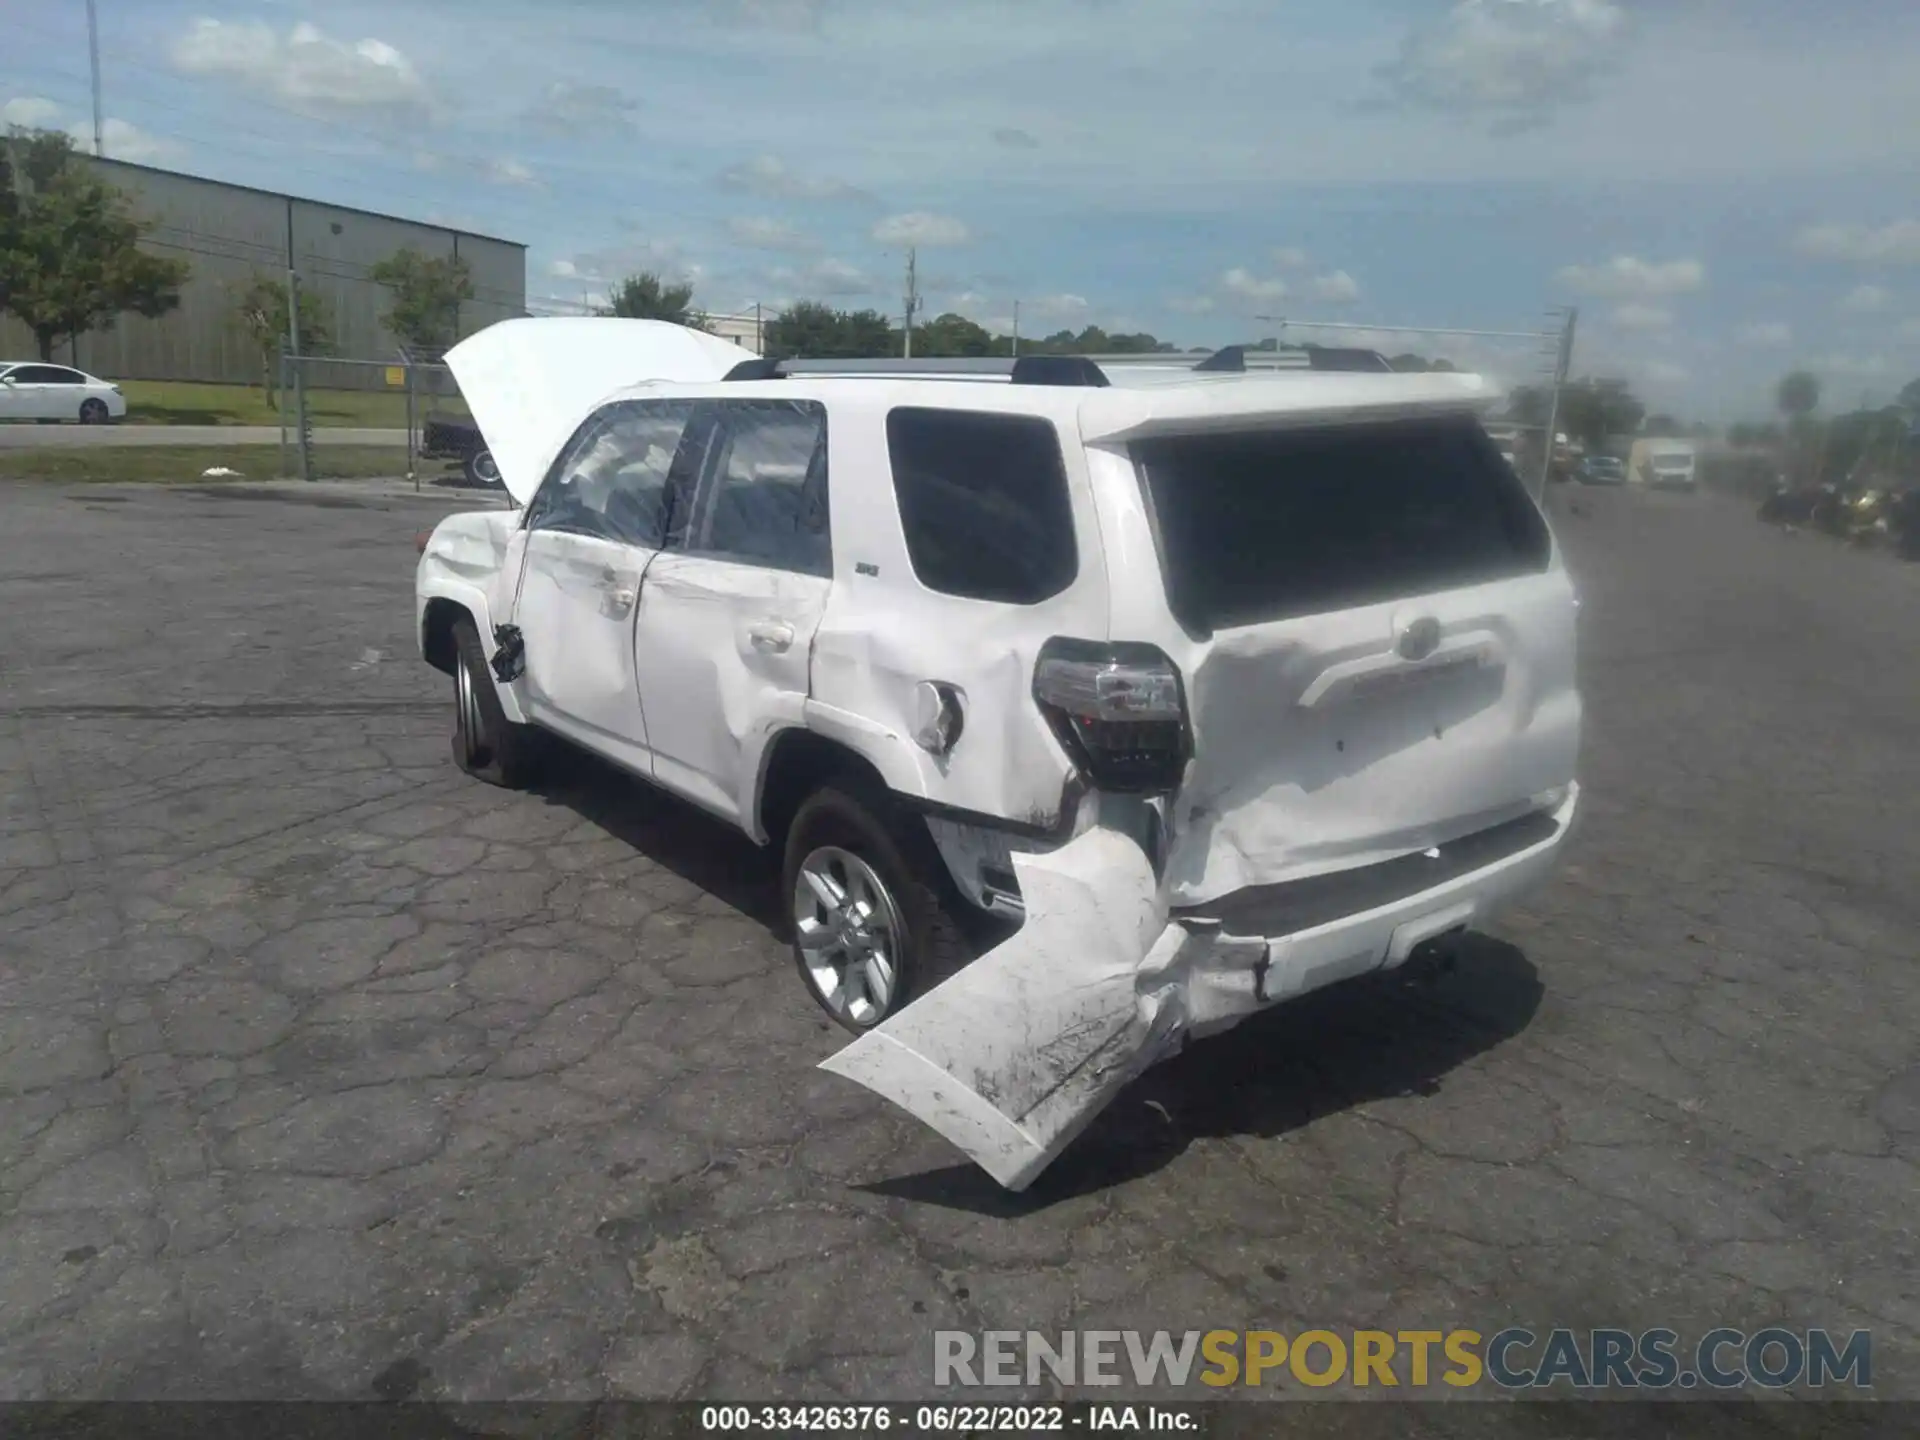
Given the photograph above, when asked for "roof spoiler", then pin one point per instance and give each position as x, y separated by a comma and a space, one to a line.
1069, 370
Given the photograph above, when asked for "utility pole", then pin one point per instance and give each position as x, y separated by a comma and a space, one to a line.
1016, 329
299, 375
913, 299
1563, 362
93, 54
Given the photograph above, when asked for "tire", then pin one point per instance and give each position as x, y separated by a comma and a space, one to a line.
486, 744
480, 468
852, 835
93, 411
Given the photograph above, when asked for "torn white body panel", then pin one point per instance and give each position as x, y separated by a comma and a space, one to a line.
1012, 1058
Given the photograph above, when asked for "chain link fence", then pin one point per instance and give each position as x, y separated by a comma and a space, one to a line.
402, 418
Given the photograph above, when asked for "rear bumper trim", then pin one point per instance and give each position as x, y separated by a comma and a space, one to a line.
1296, 905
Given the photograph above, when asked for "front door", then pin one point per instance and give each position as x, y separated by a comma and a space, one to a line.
727, 615
41, 392
593, 528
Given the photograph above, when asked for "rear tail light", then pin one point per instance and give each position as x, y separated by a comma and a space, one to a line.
1119, 710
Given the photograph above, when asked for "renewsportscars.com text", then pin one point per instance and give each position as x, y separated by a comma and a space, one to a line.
1511, 1359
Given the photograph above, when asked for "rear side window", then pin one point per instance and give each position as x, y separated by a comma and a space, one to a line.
983, 499
1273, 524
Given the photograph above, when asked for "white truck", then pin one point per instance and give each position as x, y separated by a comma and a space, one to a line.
1664, 464
1220, 686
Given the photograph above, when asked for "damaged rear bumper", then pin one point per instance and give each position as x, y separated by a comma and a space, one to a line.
1330, 928
1014, 1056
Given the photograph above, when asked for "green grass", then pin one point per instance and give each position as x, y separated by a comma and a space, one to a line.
185, 402
175, 464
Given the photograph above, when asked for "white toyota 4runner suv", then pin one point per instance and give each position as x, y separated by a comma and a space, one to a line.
1303, 636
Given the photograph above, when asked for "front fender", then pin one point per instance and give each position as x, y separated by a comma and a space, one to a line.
463, 559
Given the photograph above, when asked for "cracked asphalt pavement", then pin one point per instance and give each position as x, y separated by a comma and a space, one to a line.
326, 1072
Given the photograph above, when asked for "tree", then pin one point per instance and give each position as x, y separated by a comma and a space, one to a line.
1797, 396
955, 335
427, 291
1594, 410
645, 296
262, 312
1910, 395
70, 256
812, 331
1527, 404
1663, 427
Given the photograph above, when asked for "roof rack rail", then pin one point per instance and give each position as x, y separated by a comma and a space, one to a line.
1068, 370
1025, 370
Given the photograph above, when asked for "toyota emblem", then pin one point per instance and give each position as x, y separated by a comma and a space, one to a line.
1419, 639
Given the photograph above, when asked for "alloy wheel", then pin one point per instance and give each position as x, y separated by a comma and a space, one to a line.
850, 934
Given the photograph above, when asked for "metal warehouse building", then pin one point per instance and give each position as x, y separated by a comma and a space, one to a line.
230, 233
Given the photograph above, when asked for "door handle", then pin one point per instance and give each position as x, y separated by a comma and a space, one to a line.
770, 635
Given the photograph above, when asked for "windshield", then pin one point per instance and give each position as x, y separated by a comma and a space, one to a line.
1278, 523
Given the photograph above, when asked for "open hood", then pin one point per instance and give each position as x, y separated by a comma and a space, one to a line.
530, 382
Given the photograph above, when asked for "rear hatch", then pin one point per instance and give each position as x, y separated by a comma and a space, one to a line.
1376, 639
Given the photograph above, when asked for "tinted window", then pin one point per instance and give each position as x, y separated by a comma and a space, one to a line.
1273, 524
43, 375
983, 499
765, 501
611, 480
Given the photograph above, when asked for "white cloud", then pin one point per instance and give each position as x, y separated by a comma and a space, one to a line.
664, 257
1666, 372
762, 232
1850, 367
827, 278
1865, 300
1511, 62
34, 111
123, 141
1248, 286
506, 171
1627, 277
1897, 243
1337, 288
1059, 307
1191, 304
588, 111
307, 69
1770, 333
798, 16
1642, 317
119, 139
769, 175
1289, 257
921, 227
1015, 138
1910, 329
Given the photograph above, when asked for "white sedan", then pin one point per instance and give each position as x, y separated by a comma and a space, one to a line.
30, 390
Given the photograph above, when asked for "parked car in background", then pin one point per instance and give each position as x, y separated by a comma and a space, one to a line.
30, 390
453, 438
1603, 470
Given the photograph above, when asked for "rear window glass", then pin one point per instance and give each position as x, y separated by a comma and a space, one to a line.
1278, 523
983, 499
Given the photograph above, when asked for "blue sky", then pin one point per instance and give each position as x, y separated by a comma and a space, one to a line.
1726, 188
